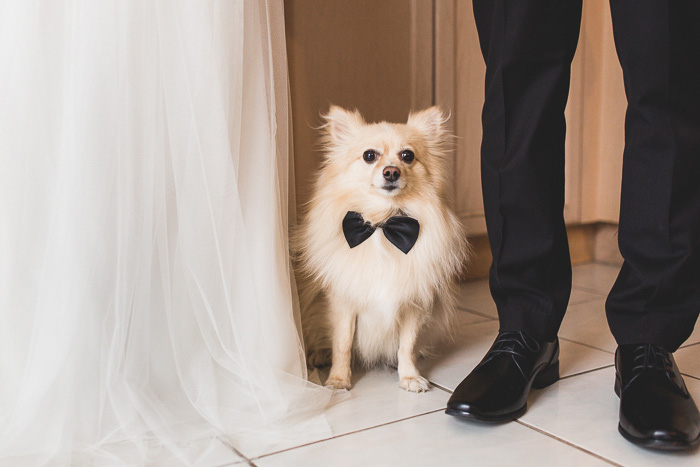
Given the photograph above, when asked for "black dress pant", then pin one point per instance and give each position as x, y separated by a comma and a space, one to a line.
528, 46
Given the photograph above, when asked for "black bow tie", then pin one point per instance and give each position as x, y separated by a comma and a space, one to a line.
401, 231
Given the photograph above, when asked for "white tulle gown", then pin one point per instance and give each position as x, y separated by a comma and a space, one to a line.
145, 291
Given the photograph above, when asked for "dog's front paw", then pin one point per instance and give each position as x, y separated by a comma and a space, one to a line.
414, 384
338, 382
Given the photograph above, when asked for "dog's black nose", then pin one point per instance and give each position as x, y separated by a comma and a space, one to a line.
391, 173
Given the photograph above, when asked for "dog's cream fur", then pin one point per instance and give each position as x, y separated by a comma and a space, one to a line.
374, 301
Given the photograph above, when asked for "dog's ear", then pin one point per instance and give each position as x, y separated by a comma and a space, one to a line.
430, 121
342, 124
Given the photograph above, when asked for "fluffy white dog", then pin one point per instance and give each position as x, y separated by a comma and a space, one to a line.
379, 249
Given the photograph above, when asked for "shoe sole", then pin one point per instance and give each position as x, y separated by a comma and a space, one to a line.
654, 443
475, 417
659, 444
546, 377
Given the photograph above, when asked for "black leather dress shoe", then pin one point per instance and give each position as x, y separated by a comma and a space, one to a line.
656, 410
497, 389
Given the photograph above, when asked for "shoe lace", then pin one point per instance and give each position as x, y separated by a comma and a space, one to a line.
650, 356
513, 343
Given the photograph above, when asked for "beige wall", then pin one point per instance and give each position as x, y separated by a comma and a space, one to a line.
595, 113
602, 117
372, 55
378, 56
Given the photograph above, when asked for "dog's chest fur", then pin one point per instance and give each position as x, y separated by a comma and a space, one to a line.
384, 286
379, 276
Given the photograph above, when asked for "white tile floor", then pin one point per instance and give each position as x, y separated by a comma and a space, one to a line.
573, 422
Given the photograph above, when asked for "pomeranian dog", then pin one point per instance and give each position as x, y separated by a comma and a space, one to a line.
379, 250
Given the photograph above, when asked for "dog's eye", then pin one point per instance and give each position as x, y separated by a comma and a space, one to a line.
407, 156
369, 156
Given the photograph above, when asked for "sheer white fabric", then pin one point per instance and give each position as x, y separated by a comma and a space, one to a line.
145, 290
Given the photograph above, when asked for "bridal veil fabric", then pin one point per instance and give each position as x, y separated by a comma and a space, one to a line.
146, 299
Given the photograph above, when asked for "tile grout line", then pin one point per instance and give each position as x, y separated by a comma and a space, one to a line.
587, 300
585, 345
492, 318
440, 386
568, 443
613, 353
297, 447
589, 290
474, 312
349, 433
686, 374
226, 443
585, 372
599, 296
